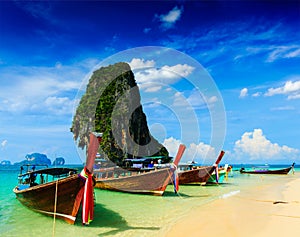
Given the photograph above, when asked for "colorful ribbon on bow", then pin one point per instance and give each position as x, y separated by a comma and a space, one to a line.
88, 199
217, 172
175, 179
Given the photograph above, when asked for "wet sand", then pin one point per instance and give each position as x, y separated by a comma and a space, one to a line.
265, 210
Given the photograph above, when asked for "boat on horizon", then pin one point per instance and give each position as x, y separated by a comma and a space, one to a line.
191, 174
140, 180
266, 170
60, 191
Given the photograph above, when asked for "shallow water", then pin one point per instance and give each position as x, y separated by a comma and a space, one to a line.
121, 214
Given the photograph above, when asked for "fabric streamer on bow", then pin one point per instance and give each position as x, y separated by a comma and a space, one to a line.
175, 179
217, 173
88, 200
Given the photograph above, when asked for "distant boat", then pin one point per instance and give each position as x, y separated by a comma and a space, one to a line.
59, 192
266, 170
149, 180
190, 174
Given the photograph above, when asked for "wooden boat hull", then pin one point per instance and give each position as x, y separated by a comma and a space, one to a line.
41, 198
212, 178
278, 171
200, 175
151, 182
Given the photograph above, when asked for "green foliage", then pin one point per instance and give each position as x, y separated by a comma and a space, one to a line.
111, 105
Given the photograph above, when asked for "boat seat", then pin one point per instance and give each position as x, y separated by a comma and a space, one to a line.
22, 186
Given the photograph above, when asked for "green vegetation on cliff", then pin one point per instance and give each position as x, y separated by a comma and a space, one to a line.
111, 105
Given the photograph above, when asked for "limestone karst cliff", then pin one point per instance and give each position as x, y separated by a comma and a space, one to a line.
112, 105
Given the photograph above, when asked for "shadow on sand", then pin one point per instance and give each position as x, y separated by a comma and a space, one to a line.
106, 218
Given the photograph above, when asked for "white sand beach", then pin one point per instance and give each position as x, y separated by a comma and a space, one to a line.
266, 210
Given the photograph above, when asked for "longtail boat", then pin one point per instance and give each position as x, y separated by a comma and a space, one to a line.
218, 179
264, 170
152, 180
59, 192
198, 174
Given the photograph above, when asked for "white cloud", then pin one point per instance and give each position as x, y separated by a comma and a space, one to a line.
258, 148
264, 41
150, 87
168, 20
59, 105
152, 79
202, 153
179, 100
257, 94
243, 93
211, 100
172, 145
293, 97
290, 88
294, 53
29, 94
278, 52
196, 99
137, 63
165, 74
3, 143
272, 52
27, 88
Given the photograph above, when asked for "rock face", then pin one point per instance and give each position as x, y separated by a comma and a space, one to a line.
111, 105
59, 161
35, 159
5, 162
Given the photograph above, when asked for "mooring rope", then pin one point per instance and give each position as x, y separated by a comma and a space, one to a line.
171, 174
54, 212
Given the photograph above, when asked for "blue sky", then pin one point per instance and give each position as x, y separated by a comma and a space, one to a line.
249, 51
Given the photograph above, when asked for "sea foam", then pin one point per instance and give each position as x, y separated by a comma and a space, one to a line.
227, 195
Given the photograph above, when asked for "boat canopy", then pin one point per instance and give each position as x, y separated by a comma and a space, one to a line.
55, 171
147, 158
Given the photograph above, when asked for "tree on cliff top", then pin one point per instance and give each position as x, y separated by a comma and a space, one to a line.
111, 105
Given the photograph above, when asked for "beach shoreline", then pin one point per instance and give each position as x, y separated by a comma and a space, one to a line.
271, 209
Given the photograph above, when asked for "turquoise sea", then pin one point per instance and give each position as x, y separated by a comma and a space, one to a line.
121, 214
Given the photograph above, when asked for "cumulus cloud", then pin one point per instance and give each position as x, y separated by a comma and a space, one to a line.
179, 100
243, 93
168, 20
257, 147
290, 88
151, 79
172, 145
202, 153
137, 63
